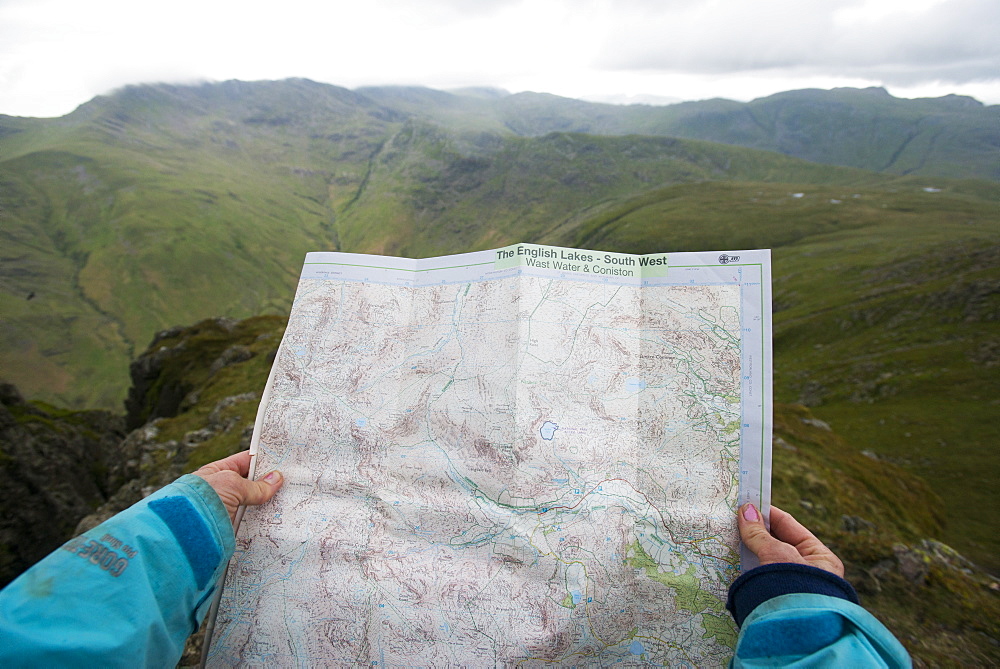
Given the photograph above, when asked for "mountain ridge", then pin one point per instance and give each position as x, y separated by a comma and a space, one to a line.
905, 135
104, 199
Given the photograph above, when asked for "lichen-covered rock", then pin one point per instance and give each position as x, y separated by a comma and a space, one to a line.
914, 565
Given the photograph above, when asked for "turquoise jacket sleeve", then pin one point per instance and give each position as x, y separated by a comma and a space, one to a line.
794, 615
128, 592
809, 630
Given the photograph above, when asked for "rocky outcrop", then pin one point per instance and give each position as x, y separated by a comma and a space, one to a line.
155, 462
193, 400
172, 365
55, 467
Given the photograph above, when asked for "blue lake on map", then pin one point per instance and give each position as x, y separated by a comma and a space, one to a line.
634, 385
548, 430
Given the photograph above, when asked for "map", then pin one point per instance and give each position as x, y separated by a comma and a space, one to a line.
529, 456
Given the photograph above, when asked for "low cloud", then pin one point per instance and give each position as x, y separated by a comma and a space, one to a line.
952, 41
56, 54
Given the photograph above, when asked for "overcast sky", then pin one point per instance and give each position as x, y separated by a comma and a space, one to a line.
57, 54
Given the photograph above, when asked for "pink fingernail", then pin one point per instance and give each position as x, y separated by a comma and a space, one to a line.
272, 476
750, 513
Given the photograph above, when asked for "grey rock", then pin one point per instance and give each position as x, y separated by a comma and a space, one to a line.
232, 355
913, 564
855, 524
215, 419
816, 422
781, 443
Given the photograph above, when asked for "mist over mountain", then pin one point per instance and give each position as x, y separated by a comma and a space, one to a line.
163, 205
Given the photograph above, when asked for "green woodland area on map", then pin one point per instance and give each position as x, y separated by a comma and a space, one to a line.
161, 206
690, 596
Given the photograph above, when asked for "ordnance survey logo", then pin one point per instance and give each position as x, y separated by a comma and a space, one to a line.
725, 260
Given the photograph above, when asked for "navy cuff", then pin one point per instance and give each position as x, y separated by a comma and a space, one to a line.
773, 580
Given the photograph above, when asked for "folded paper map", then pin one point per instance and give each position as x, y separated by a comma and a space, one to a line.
523, 456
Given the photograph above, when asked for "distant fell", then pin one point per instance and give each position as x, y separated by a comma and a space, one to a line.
952, 136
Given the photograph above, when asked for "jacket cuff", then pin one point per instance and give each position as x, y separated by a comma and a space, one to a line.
213, 511
199, 522
774, 580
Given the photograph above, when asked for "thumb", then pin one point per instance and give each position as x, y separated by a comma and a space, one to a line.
260, 491
760, 542
752, 531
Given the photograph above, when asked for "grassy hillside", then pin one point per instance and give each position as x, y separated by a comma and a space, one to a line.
882, 522
161, 205
432, 192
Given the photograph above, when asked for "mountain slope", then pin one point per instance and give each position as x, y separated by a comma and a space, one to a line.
163, 201
949, 137
952, 136
431, 192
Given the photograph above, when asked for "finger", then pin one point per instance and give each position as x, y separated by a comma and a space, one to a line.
239, 463
787, 529
258, 492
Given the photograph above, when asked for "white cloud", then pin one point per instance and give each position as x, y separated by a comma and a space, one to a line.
56, 54
895, 42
